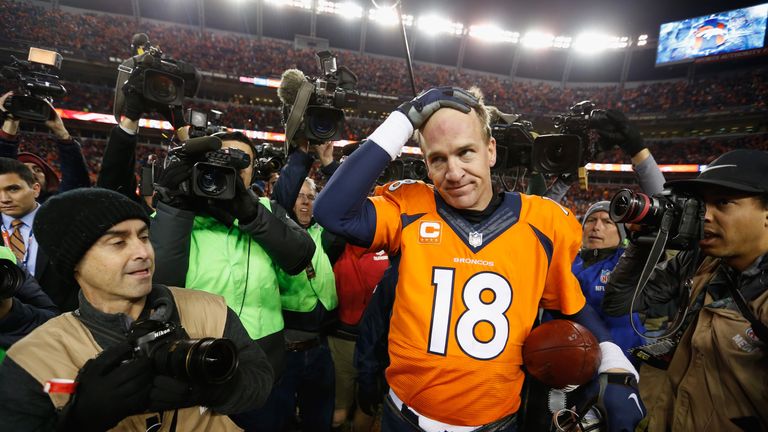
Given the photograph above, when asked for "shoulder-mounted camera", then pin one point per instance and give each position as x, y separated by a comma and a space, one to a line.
37, 85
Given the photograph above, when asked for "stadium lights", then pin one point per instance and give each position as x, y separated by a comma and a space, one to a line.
642, 40
536, 40
562, 42
433, 25
388, 17
490, 33
345, 10
301, 4
592, 43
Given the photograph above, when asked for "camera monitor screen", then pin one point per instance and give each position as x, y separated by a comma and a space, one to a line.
719, 33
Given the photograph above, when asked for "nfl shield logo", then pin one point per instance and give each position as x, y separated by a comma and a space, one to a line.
475, 238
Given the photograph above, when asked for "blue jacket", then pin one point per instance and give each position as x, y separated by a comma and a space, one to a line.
593, 278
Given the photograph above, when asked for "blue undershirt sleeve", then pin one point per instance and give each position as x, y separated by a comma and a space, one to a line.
589, 318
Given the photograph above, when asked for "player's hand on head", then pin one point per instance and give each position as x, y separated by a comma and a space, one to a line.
420, 108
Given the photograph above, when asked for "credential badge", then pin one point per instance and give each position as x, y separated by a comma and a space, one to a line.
475, 239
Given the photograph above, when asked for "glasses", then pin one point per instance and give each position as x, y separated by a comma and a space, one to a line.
310, 197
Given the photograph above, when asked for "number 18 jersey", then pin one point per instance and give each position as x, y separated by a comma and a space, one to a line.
467, 297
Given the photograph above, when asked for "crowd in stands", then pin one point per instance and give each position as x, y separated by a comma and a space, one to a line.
98, 37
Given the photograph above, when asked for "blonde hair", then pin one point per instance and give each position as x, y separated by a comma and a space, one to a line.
483, 115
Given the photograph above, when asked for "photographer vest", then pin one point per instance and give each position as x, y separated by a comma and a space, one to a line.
228, 262
61, 346
718, 379
300, 293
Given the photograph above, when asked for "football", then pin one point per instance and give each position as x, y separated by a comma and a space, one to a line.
560, 353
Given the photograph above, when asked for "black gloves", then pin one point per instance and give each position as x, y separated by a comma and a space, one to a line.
615, 130
371, 394
616, 396
169, 186
244, 206
109, 390
136, 105
169, 393
427, 102
173, 113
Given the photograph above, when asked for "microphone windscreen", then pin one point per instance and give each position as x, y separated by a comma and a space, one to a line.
290, 84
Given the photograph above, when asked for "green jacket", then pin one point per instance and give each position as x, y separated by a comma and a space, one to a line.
299, 293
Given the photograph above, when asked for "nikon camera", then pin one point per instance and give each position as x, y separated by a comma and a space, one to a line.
37, 85
171, 353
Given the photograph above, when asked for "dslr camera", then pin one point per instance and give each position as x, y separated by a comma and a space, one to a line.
686, 226
11, 278
268, 160
172, 353
160, 80
37, 85
214, 170
323, 115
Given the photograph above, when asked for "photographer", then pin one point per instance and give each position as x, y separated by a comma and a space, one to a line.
74, 171
716, 378
23, 304
100, 239
457, 240
233, 248
309, 304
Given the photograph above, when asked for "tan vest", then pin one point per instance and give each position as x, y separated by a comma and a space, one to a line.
61, 346
719, 371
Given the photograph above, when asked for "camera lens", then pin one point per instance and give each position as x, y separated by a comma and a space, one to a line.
207, 360
161, 87
11, 278
212, 182
323, 123
638, 208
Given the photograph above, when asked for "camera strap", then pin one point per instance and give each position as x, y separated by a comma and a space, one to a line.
758, 327
297, 113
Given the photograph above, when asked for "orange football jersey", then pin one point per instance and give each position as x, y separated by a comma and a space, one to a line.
467, 297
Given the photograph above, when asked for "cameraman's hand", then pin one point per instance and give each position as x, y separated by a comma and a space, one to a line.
174, 114
134, 102
244, 206
615, 130
169, 393
56, 125
169, 183
427, 102
109, 390
10, 124
325, 153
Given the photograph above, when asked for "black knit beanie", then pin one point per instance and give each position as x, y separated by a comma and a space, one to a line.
68, 224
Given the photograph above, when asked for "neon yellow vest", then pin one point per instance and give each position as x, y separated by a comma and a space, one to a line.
299, 293
228, 262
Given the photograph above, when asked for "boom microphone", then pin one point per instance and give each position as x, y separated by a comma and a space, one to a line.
139, 43
201, 145
290, 84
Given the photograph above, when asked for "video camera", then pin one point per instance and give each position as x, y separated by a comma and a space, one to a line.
160, 80
172, 353
37, 85
687, 217
268, 160
215, 170
556, 154
313, 106
404, 168
203, 123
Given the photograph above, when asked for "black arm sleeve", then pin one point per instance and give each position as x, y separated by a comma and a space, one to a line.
662, 288
9, 146
171, 234
74, 171
23, 404
252, 383
333, 245
118, 164
288, 244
